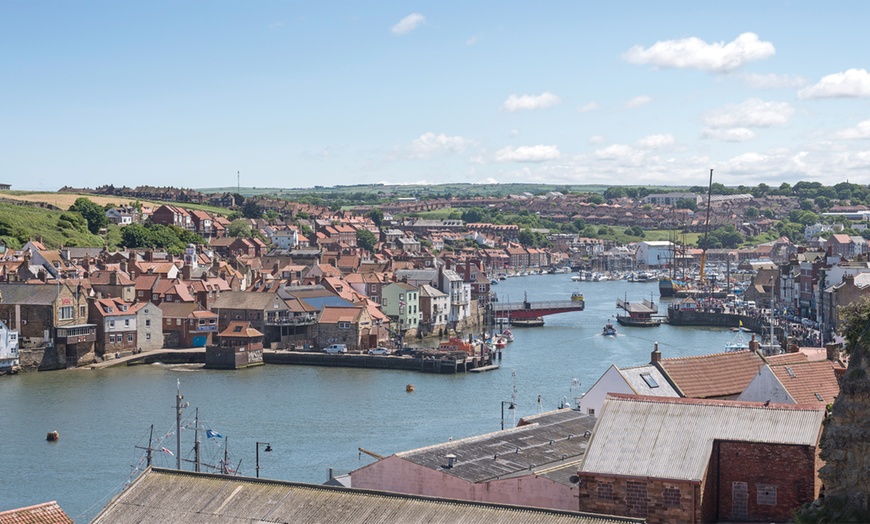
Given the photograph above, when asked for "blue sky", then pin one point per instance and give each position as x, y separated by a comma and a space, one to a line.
297, 94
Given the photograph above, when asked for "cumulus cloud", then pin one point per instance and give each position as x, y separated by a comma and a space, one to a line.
408, 24
586, 108
751, 113
525, 102
694, 53
656, 141
774, 81
736, 134
429, 144
638, 101
853, 83
859, 132
539, 153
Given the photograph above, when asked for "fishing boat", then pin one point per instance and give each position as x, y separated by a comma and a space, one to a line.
738, 343
609, 330
577, 297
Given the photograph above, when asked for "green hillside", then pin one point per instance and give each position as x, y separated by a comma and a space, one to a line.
20, 223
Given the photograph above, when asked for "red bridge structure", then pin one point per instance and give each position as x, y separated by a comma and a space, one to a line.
526, 310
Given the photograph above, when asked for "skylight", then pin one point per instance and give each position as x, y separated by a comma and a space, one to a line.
650, 381
789, 371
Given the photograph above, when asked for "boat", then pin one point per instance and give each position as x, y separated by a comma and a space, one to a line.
577, 296
457, 344
53, 436
493, 282
508, 335
609, 330
409, 388
738, 343
576, 278
639, 314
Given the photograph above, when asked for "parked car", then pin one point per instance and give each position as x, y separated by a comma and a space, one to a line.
379, 351
335, 348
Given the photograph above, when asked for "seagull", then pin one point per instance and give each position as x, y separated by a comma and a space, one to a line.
766, 402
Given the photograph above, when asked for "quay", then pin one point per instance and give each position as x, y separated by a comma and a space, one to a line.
687, 317
425, 363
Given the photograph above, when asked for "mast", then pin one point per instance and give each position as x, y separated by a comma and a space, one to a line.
148, 449
701, 275
178, 407
196, 454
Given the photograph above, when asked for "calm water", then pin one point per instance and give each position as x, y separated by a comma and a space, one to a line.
313, 418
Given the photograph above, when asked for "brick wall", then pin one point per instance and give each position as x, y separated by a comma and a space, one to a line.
764, 482
657, 501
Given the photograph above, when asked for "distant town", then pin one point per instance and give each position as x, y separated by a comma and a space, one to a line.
244, 280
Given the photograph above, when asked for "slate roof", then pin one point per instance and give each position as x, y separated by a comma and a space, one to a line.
542, 442
715, 375
249, 301
159, 496
672, 438
32, 294
644, 386
239, 329
45, 513
804, 380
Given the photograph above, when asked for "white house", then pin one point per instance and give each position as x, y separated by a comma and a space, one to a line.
459, 295
638, 380
8, 349
654, 253
285, 238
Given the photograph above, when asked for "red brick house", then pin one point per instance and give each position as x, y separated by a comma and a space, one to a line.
689, 460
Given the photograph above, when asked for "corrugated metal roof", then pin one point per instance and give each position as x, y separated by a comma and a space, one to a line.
545, 441
673, 438
161, 496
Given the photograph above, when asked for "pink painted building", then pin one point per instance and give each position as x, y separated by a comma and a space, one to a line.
530, 465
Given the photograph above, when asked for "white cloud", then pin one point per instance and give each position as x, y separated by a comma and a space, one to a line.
656, 141
539, 153
859, 132
774, 81
489, 180
431, 144
638, 101
854, 83
525, 102
597, 139
751, 113
408, 24
735, 134
586, 108
694, 53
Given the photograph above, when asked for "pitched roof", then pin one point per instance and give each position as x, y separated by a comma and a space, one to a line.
45, 513
542, 441
805, 380
34, 294
647, 380
334, 315
158, 496
672, 438
240, 329
716, 375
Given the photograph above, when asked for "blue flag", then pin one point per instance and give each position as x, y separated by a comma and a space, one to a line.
212, 434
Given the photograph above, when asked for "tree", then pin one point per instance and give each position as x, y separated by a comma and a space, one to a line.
685, 203
92, 213
366, 239
526, 237
595, 198
251, 210
751, 212
473, 215
377, 216
239, 228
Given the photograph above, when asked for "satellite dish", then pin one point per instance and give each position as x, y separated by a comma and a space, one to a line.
574, 479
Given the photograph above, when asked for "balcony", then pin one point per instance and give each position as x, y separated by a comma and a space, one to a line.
290, 321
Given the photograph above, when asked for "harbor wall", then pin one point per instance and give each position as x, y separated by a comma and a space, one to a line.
759, 325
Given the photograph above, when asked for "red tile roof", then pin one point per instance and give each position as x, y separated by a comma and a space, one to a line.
45, 513
804, 380
710, 376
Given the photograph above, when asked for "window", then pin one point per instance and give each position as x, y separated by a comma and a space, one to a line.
126, 322
111, 339
83, 311
650, 381
130, 338
590, 411
147, 322
384, 301
766, 494
344, 325
140, 293
147, 336
177, 321
66, 313
111, 323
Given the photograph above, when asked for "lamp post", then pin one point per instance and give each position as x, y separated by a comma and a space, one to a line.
268, 449
772, 333
511, 405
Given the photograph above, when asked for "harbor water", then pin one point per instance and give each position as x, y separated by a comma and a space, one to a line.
313, 418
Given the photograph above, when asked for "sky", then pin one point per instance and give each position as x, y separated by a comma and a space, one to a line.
293, 94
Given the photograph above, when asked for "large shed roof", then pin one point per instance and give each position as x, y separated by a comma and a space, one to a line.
672, 438
160, 496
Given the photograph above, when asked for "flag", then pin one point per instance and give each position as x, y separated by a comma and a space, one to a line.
167, 451
212, 434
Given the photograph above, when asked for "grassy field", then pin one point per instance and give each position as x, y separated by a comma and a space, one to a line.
19, 223
65, 200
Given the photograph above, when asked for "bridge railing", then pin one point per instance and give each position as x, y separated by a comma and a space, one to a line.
522, 306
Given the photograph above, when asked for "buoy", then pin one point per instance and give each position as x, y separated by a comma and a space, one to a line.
409, 388
52, 436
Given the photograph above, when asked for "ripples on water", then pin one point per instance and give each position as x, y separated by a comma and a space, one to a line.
314, 418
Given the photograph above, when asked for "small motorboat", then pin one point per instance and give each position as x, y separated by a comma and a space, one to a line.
609, 330
53, 436
409, 388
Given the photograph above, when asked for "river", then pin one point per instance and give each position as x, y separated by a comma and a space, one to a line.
314, 418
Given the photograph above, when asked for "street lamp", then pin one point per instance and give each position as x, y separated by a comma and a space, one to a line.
268, 449
511, 405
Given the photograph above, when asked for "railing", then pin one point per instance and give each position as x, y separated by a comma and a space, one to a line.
290, 321
521, 306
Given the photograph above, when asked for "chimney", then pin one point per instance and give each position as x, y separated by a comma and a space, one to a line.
753, 344
451, 458
833, 351
656, 355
